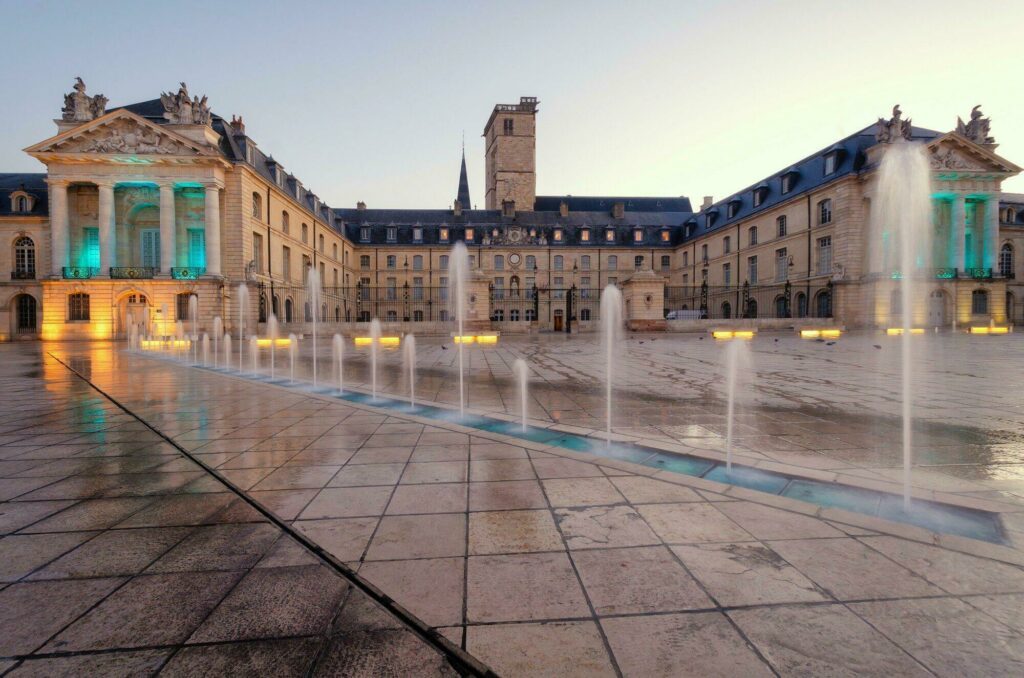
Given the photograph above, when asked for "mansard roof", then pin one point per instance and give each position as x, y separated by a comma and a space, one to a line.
33, 183
806, 175
605, 203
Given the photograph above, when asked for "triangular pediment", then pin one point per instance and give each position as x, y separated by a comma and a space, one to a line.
119, 133
955, 153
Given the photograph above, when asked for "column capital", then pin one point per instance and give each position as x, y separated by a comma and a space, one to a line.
104, 183
166, 184
57, 181
213, 185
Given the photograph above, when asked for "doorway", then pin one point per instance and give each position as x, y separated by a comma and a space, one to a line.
559, 319
937, 308
133, 310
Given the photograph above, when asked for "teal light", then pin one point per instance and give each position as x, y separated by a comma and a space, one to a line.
89, 248
946, 274
897, 275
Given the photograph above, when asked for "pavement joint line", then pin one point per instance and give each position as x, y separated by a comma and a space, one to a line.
459, 659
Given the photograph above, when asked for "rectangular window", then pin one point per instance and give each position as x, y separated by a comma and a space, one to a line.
825, 255
638, 235
364, 234
704, 253
442, 262
638, 263
469, 235
559, 263
825, 212
417, 263
559, 285
196, 248
392, 261
666, 236
585, 262
417, 289
286, 262
558, 235
78, 306
531, 262
752, 270
442, 235
306, 265
499, 288
507, 126
830, 163
781, 264
780, 226
257, 252
392, 289
666, 262
787, 183
499, 262
726, 274
392, 233
609, 235
613, 262
585, 235
417, 234
364, 261
726, 245
149, 241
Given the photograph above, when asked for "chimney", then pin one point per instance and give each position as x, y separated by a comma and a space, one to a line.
619, 210
563, 209
457, 208
237, 125
508, 208
708, 202
360, 205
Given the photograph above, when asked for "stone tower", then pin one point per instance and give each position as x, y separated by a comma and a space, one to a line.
510, 139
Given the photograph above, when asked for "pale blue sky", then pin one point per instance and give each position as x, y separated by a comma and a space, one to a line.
368, 101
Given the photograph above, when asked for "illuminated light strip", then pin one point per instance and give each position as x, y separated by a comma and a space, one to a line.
897, 331
165, 343
383, 341
985, 329
733, 334
820, 334
487, 339
264, 343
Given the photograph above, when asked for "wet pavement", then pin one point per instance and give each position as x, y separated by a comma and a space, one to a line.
122, 555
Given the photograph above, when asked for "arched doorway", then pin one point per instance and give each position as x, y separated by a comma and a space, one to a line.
559, 317
132, 309
24, 315
937, 308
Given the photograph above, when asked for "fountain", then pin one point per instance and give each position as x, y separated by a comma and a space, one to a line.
737, 360
338, 352
179, 338
254, 354
460, 279
227, 351
293, 350
165, 333
218, 330
193, 315
409, 355
374, 347
523, 376
611, 338
206, 349
313, 299
904, 204
243, 302
272, 333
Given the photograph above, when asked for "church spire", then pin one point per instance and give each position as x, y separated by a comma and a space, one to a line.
463, 195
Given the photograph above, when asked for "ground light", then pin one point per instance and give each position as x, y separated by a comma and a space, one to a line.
383, 341
820, 334
986, 329
733, 334
165, 343
897, 331
486, 339
264, 343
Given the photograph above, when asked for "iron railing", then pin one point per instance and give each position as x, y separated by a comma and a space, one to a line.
358, 303
979, 273
187, 272
78, 272
24, 275
801, 299
132, 272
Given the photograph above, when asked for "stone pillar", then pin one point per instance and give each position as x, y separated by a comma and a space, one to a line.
212, 229
58, 226
168, 245
644, 296
991, 259
959, 228
106, 227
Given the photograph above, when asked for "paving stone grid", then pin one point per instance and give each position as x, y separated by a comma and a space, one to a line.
536, 562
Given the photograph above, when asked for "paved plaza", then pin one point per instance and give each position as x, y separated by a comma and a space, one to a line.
159, 517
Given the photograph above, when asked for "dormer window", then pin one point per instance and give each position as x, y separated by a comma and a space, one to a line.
442, 234
559, 234
417, 234
638, 235
788, 180
392, 234
469, 235
733, 208
830, 164
666, 235
22, 202
585, 235
364, 234
609, 235
533, 232
759, 194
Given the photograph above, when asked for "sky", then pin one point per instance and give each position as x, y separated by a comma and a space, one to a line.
370, 100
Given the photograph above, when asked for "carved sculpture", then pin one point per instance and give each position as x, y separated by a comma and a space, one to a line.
184, 110
894, 129
123, 136
977, 128
80, 107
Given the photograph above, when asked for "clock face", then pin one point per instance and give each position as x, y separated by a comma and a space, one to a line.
513, 259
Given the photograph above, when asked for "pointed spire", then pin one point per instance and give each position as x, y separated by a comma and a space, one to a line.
463, 195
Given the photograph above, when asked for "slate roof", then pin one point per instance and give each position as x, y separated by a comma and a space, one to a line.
808, 174
33, 183
544, 203
1015, 200
463, 195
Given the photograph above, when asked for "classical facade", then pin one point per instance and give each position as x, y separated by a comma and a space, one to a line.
143, 207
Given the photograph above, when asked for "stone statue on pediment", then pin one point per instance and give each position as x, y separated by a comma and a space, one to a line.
977, 128
182, 109
893, 129
80, 107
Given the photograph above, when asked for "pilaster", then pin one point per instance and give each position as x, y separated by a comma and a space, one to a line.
168, 244
58, 190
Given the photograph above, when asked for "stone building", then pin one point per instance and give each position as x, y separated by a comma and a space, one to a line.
143, 207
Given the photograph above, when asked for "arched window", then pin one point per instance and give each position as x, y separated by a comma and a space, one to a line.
285, 223
275, 304
638, 262
801, 305
257, 206
289, 310
78, 306
323, 311
726, 309
334, 251
26, 310
1006, 261
979, 302
337, 314
825, 212
305, 233
752, 235
781, 307
24, 257
585, 314
751, 308
499, 262
780, 226
321, 241
21, 204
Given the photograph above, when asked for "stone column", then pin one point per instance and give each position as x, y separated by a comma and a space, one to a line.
212, 229
991, 259
58, 189
168, 245
106, 226
959, 228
